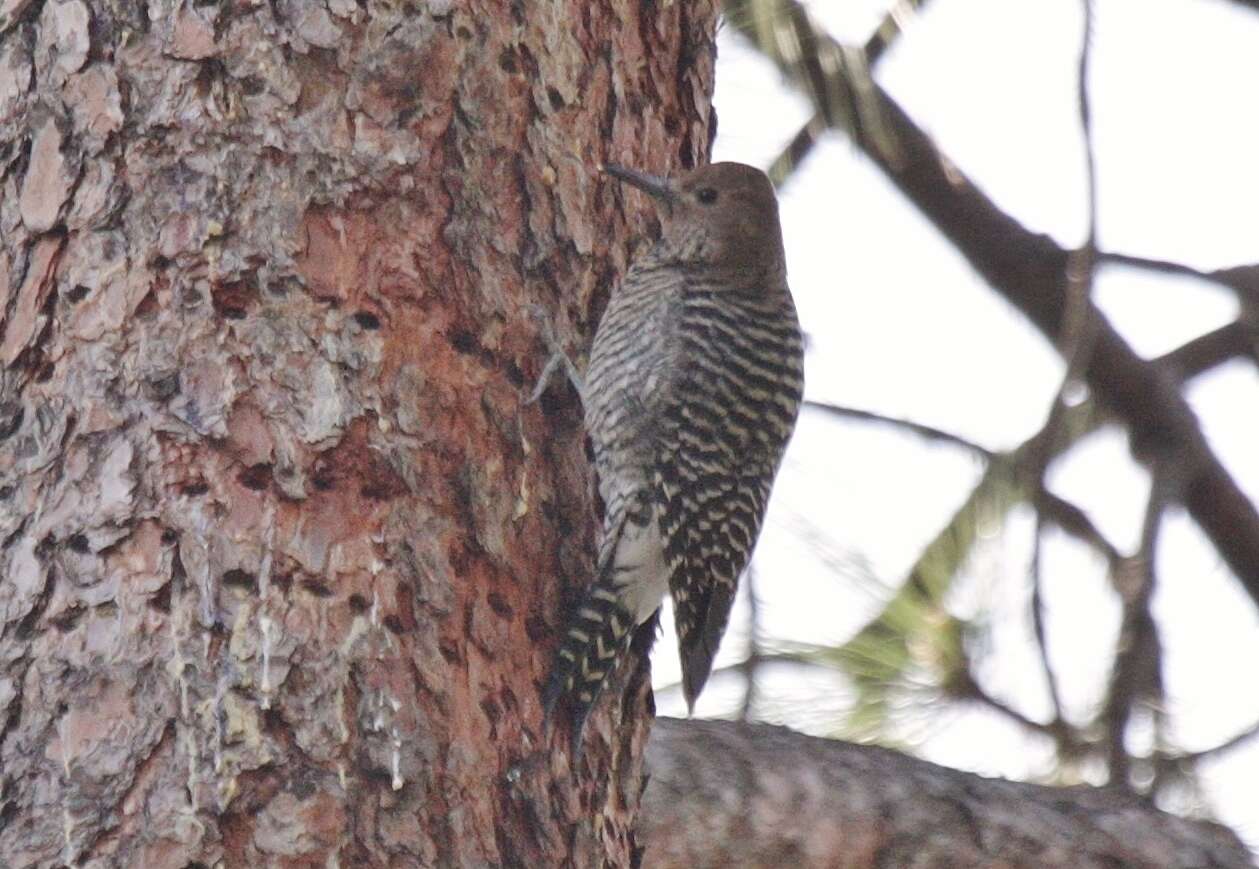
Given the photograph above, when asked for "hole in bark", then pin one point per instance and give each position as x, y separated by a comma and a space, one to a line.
359, 604
499, 604
281, 287
507, 61
148, 306
195, 489
317, 588
515, 376
381, 490
252, 85
464, 342
11, 413
79, 543
161, 599
66, 621
45, 372
169, 536
491, 710
367, 320
26, 627
459, 557
164, 388
557, 101
240, 579
273, 721
76, 294
256, 477
554, 400
212, 69
537, 630
394, 624
301, 786
450, 653
559, 518
377, 775
232, 300
322, 481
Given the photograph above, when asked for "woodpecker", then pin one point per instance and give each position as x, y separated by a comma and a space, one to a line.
690, 396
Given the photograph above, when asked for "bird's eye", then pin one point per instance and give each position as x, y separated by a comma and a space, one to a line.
706, 195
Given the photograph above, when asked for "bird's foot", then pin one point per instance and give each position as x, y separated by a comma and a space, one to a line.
557, 360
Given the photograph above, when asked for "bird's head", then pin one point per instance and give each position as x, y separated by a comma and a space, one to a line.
724, 215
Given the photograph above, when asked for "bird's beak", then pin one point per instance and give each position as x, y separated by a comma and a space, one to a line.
653, 185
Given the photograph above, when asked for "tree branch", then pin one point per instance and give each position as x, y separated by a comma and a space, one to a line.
1137, 672
1038, 619
1032, 272
921, 429
1242, 280
832, 99
724, 793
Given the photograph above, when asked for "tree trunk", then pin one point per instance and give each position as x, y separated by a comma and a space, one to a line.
284, 555
725, 794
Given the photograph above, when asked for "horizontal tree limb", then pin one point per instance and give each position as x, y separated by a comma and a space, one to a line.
724, 793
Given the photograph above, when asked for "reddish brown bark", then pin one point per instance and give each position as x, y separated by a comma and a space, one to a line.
282, 549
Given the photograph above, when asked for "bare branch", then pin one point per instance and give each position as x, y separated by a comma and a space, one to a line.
922, 430
803, 142
1038, 621
1076, 346
1086, 125
876, 656
1031, 271
1214, 751
1075, 522
1242, 280
1231, 341
1155, 265
1137, 672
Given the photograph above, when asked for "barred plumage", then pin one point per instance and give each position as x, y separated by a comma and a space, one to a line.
692, 391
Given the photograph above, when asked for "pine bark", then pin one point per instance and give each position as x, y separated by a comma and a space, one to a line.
722, 793
283, 553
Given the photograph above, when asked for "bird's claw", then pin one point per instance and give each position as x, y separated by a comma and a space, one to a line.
558, 357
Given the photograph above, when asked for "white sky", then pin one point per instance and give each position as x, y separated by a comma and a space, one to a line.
900, 324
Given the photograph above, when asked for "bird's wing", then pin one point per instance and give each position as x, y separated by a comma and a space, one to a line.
712, 492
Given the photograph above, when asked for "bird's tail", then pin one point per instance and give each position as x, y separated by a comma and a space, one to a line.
597, 633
